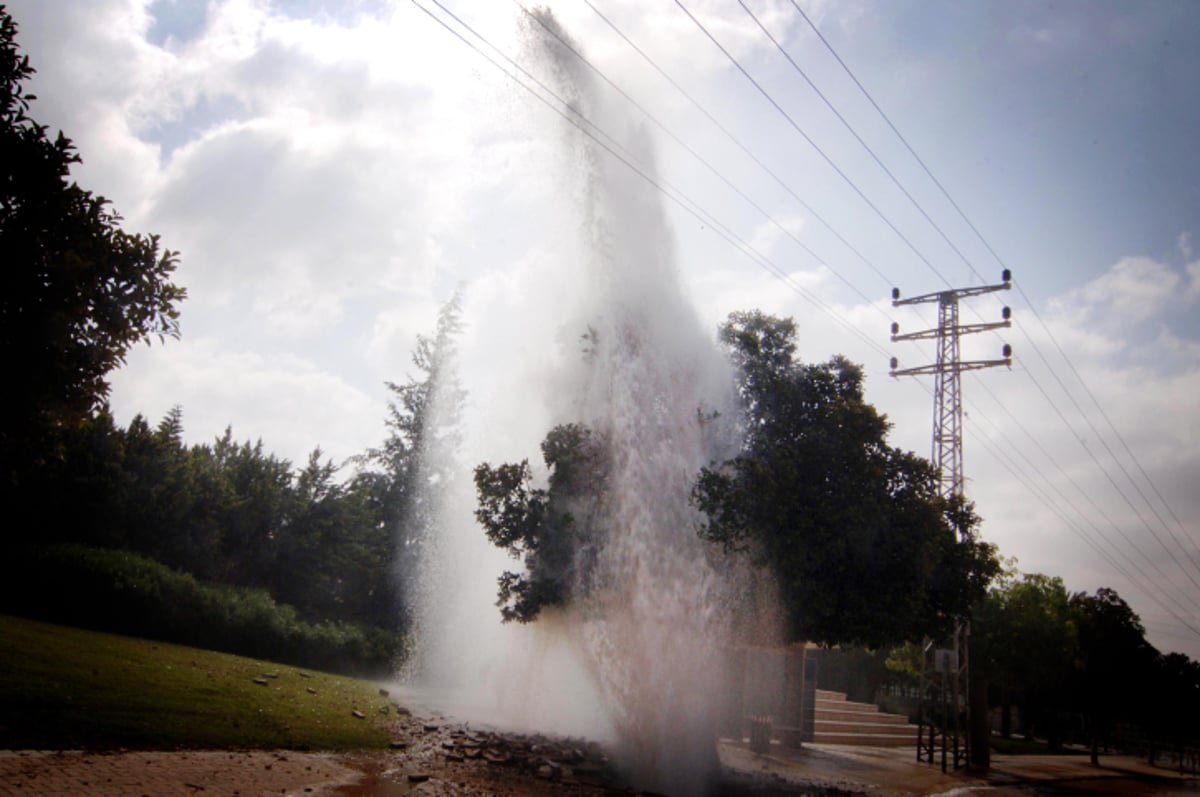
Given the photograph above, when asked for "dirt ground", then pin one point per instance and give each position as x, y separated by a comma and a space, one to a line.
435, 758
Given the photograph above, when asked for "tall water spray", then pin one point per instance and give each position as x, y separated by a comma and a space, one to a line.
637, 658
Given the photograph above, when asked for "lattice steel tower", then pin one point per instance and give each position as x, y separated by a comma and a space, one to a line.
945, 707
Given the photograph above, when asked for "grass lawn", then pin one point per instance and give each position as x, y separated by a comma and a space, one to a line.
63, 688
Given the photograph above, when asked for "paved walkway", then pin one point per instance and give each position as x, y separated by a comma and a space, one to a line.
877, 772
165, 774
893, 772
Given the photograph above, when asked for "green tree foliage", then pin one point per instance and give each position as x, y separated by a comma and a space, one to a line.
333, 555
1174, 702
124, 592
78, 292
861, 545
1080, 662
407, 476
553, 530
1024, 639
226, 511
1115, 663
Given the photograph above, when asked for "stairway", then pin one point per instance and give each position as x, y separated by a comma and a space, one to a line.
840, 721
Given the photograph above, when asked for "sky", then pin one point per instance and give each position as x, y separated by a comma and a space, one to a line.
332, 172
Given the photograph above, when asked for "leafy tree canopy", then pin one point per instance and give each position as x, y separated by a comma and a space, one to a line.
552, 530
78, 292
862, 546
409, 475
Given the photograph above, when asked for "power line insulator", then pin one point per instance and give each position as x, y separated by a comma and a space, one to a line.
895, 294
895, 362
1007, 351
895, 328
1006, 313
1006, 276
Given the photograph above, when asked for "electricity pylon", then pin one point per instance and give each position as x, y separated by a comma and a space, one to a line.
945, 707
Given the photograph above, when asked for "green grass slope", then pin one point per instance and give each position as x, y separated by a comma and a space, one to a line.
63, 688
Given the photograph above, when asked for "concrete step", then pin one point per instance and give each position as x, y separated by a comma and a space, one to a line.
828, 694
846, 706
882, 720
873, 728
867, 739
878, 717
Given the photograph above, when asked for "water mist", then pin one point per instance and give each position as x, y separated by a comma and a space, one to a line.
637, 659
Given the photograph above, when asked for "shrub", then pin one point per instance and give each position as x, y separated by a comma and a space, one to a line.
127, 593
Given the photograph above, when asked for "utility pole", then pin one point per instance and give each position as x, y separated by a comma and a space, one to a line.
945, 706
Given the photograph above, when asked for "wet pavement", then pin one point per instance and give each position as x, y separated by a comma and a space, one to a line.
435, 757
894, 772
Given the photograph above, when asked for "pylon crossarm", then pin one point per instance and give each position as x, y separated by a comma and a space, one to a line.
957, 293
946, 368
963, 329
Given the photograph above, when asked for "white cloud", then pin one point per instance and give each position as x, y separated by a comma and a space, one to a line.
330, 182
1136, 287
293, 404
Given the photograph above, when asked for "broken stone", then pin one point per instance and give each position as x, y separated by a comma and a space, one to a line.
358, 714
419, 777
310, 690
260, 681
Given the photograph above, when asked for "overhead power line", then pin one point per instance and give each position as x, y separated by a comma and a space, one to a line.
586, 126
691, 151
796, 126
859, 139
708, 114
738, 143
1147, 584
1049, 333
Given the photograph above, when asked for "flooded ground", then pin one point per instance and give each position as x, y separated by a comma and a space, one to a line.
435, 756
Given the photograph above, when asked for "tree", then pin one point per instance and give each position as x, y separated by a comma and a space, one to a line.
407, 476
77, 293
1115, 663
1025, 640
862, 546
551, 530
1175, 703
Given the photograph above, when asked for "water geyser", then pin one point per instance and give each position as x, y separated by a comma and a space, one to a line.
637, 659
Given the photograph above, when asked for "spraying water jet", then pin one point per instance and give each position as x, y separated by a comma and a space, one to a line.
632, 650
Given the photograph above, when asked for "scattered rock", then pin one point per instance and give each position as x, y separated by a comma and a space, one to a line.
303, 674
260, 681
358, 714
270, 675
383, 710
310, 690
419, 777
383, 692
399, 744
